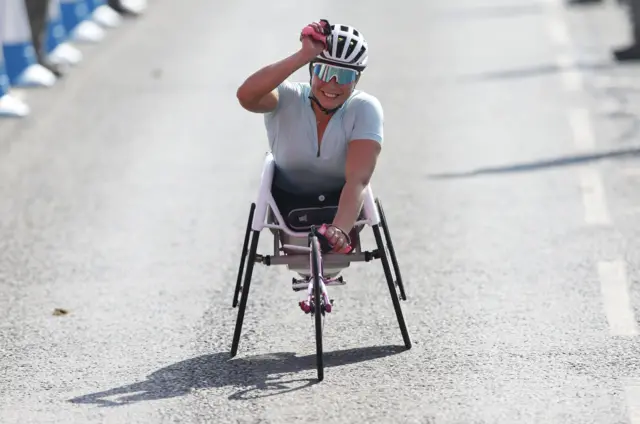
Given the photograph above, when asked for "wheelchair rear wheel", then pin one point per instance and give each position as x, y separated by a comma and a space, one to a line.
392, 251
243, 255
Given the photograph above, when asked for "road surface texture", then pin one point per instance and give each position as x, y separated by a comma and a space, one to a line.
510, 180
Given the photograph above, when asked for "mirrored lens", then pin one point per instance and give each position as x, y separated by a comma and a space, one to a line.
327, 72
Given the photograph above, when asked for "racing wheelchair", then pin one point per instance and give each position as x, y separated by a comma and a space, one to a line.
299, 248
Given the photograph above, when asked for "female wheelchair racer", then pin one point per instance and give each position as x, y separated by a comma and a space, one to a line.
325, 137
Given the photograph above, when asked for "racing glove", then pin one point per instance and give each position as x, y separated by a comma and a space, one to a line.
325, 37
325, 244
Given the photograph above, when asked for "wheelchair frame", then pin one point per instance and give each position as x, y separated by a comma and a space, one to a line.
264, 212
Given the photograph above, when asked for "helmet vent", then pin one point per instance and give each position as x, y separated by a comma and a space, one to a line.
352, 45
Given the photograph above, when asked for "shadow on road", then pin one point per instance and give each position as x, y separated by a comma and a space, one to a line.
261, 374
491, 11
534, 71
541, 165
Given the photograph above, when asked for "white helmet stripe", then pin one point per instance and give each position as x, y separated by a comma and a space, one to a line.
355, 51
343, 36
334, 50
347, 43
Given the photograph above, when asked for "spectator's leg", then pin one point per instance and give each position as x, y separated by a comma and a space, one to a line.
38, 16
633, 51
120, 8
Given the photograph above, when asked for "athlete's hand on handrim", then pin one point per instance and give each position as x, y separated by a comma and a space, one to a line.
333, 239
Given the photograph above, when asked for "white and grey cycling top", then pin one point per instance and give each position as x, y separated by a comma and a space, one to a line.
302, 167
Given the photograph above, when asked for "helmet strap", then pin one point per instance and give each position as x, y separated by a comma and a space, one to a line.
313, 98
322, 108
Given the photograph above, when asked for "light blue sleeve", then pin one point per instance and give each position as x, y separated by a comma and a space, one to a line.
288, 94
368, 119
276, 121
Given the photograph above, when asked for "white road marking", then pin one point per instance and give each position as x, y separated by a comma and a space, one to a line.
555, 5
632, 211
614, 287
632, 396
631, 171
561, 37
593, 195
583, 135
596, 211
572, 78
559, 31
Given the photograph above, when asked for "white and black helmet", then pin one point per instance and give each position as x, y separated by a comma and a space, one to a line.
346, 47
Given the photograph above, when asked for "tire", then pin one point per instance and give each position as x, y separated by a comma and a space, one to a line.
392, 250
243, 256
317, 295
392, 287
245, 293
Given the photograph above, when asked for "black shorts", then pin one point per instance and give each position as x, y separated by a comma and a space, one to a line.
300, 212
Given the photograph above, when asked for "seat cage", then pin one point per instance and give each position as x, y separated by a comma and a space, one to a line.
285, 243
302, 260
266, 203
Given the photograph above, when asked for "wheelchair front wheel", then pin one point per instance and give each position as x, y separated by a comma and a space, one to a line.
317, 301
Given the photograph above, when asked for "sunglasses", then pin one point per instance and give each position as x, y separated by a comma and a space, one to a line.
326, 72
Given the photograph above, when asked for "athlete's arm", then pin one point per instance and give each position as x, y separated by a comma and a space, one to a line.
259, 93
362, 156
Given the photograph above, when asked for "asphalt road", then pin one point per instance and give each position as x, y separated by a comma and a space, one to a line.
124, 198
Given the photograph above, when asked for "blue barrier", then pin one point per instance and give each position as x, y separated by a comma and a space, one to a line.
76, 17
67, 20
20, 61
134, 7
103, 14
9, 105
58, 50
